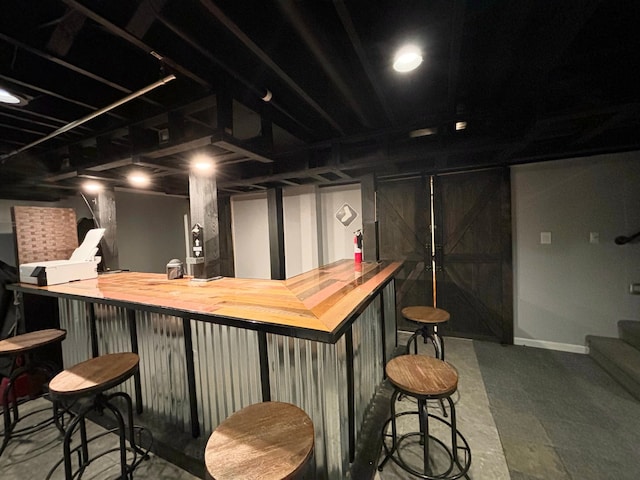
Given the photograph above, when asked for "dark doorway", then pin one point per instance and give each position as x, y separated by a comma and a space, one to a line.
471, 253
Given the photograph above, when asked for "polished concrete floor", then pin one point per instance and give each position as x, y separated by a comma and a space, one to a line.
526, 413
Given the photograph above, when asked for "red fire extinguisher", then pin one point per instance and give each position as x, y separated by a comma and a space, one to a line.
357, 246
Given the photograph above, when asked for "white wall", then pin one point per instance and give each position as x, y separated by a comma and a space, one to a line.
337, 240
301, 216
313, 235
570, 288
250, 230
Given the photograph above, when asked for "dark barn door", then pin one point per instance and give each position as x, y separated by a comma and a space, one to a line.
472, 249
403, 219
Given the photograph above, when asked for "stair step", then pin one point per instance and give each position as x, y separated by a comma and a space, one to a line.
619, 359
629, 331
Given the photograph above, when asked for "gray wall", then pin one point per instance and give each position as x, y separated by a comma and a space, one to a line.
150, 228
572, 287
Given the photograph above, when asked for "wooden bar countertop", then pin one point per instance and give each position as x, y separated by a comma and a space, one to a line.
316, 305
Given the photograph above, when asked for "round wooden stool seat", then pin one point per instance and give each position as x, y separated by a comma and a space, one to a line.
422, 375
29, 341
422, 314
264, 441
429, 320
95, 375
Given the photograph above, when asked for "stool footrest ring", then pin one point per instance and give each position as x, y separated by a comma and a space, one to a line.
456, 467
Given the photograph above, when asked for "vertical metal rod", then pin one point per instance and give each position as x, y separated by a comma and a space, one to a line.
133, 332
92, 330
384, 333
191, 376
265, 380
433, 239
351, 394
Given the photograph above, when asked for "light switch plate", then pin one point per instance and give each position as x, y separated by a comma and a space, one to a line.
594, 237
545, 238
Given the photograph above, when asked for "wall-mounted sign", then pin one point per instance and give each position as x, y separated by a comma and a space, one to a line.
197, 237
346, 214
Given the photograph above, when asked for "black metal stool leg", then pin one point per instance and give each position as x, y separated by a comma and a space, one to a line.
66, 447
6, 413
394, 431
424, 432
122, 437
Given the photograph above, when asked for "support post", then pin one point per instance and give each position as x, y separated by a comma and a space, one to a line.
105, 212
370, 250
276, 233
203, 202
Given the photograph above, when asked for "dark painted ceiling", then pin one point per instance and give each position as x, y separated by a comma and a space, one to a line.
533, 80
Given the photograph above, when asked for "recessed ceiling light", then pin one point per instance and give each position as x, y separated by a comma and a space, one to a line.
92, 187
10, 98
139, 179
406, 59
423, 132
202, 163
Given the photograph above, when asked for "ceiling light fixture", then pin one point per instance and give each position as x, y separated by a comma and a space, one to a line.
202, 163
92, 187
10, 98
461, 125
267, 96
139, 179
407, 58
423, 132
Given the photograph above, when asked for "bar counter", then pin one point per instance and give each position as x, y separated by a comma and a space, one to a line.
319, 340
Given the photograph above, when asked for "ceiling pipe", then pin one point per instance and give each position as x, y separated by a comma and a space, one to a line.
91, 116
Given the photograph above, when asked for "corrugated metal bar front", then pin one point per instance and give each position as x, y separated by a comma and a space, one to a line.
74, 319
368, 360
112, 331
163, 368
313, 376
390, 332
227, 371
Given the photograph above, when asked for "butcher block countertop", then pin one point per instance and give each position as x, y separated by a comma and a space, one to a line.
317, 305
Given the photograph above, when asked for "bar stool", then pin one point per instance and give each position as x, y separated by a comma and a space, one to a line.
264, 441
429, 318
425, 378
22, 346
82, 389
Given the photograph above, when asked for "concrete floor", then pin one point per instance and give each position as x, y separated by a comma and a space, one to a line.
474, 420
526, 413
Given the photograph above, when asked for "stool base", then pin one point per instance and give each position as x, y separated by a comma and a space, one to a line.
133, 450
10, 406
428, 332
459, 454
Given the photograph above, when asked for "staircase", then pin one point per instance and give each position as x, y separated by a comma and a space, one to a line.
620, 356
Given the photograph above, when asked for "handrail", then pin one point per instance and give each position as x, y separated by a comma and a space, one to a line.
621, 240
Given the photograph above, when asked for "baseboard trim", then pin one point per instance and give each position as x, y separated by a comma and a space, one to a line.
563, 347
